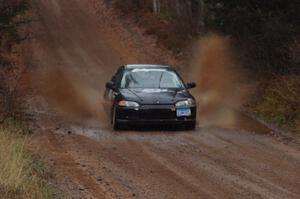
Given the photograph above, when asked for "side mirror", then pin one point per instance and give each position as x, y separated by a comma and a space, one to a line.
191, 85
111, 85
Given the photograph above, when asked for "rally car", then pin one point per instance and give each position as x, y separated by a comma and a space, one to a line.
140, 94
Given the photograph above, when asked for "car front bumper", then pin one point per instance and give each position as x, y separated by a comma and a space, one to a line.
153, 114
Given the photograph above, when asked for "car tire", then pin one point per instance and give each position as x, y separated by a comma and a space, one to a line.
116, 125
190, 126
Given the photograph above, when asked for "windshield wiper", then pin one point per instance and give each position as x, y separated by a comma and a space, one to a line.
135, 94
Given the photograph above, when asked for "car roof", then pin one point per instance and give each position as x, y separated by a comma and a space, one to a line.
134, 66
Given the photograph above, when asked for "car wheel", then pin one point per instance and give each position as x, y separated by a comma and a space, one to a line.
190, 126
116, 125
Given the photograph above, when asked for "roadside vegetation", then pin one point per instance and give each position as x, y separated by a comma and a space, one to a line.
277, 101
12, 16
265, 33
20, 176
12, 19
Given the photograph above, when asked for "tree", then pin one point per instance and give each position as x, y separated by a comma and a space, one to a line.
266, 28
10, 20
156, 6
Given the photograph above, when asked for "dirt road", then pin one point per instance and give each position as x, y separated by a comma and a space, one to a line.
85, 41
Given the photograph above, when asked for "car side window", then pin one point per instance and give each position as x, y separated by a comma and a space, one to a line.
117, 78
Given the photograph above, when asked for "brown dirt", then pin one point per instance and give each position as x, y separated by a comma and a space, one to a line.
78, 46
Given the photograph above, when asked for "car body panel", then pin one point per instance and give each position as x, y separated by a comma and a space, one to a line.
154, 96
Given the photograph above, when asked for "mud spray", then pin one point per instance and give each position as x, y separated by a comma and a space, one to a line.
218, 75
220, 90
68, 95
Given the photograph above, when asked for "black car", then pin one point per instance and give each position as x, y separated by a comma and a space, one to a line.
149, 95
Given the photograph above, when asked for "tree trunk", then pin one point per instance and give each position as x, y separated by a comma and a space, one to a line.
177, 7
156, 7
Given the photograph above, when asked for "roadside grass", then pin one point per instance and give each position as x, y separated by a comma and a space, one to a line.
278, 101
19, 176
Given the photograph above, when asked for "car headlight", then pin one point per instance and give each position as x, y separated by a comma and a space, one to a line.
186, 103
125, 103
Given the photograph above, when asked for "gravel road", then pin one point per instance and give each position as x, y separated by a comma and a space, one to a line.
84, 40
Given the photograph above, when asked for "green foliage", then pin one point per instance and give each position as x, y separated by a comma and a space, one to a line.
264, 29
243, 18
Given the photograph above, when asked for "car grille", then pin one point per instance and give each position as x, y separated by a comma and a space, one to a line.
157, 112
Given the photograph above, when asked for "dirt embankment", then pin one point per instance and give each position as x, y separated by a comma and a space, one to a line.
78, 47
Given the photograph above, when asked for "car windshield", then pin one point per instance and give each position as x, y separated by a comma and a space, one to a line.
151, 78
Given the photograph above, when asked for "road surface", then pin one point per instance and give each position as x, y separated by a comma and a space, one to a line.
85, 42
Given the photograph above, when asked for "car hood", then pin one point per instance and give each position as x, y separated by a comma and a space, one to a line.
154, 96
